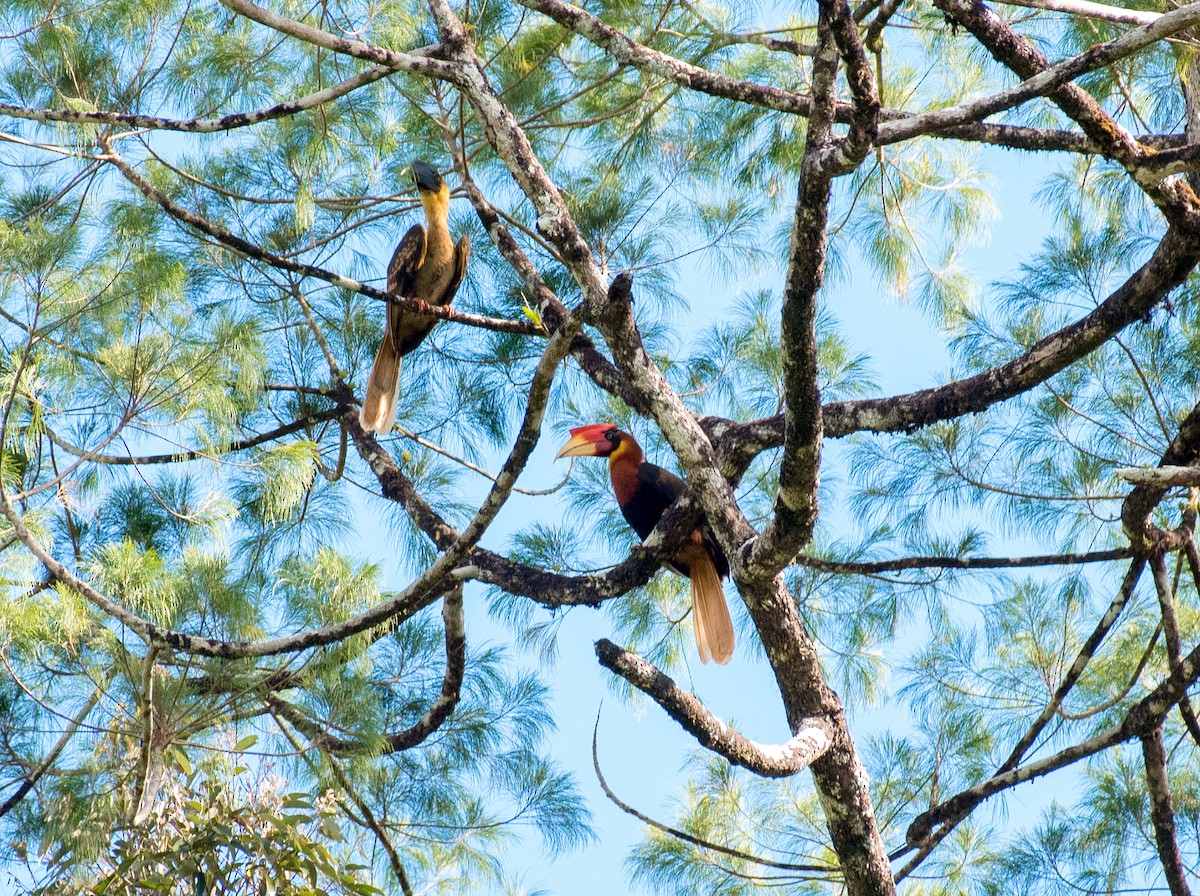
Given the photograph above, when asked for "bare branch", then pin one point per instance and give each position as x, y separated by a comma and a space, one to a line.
1116, 14
1171, 263
1139, 504
1173, 196
35, 774
1051, 78
425, 61
684, 835
628, 51
1161, 477
812, 740
1082, 658
875, 567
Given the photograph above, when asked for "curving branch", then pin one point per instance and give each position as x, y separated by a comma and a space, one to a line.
825, 871
1086, 8
838, 774
1082, 658
1161, 477
426, 61
849, 151
36, 773
1140, 503
810, 742
1141, 719
795, 508
548, 304
1170, 629
1050, 79
630, 52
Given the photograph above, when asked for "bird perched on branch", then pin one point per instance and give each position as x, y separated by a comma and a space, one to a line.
426, 265
644, 492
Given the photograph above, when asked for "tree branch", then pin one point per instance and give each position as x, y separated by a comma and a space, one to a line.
684, 835
811, 741
212, 125
1173, 196
1173, 260
421, 62
1161, 477
875, 567
1162, 814
1051, 78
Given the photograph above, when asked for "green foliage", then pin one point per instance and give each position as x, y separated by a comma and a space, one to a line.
228, 830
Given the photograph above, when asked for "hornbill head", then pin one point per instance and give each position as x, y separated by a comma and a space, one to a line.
593, 440
426, 177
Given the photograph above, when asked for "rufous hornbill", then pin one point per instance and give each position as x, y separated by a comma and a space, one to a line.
644, 492
427, 265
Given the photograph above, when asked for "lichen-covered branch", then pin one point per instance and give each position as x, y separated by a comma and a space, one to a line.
771, 761
1162, 814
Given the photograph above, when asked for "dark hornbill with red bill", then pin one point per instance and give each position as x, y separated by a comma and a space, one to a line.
644, 492
427, 265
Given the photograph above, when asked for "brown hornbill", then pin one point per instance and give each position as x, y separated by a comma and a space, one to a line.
427, 265
644, 492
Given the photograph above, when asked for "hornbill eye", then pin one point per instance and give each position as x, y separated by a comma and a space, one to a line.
614, 436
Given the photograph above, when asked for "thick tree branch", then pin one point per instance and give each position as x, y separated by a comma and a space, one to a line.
809, 743
1161, 477
1162, 814
1116, 14
1050, 79
677, 423
1173, 260
1140, 503
849, 151
795, 508
839, 776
